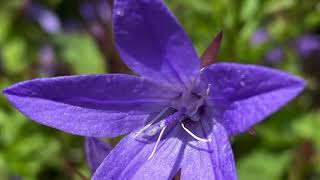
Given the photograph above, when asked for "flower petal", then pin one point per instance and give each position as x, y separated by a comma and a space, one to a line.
129, 159
212, 160
243, 95
96, 151
152, 43
95, 106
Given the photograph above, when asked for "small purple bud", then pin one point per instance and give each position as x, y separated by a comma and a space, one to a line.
260, 37
308, 45
87, 11
49, 22
47, 19
308, 50
274, 56
47, 61
104, 11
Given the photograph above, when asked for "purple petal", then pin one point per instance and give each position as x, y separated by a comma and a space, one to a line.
129, 159
95, 106
152, 43
243, 95
96, 151
213, 160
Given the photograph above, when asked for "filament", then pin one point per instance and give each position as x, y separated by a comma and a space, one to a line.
157, 143
193, 135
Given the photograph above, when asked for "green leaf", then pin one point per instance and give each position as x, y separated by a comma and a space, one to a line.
263, 165
81, 52
273, 6
14, 54
308, 126
5, 24
249, 9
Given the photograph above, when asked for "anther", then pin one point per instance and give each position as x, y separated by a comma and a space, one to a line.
193, 135
157, 143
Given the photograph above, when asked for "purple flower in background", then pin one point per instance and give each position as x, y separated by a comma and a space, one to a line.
96, 10
97, 16
104, 11
308, 50
47, 19
47, 60
274, 56
260, 37
308, 46
178, 115
87, 11
96, 151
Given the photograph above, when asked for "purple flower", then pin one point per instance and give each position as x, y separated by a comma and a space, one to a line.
96, 10
87, 11
178, 116
104, 11
96, 151
47, 19
260, 37
308, 50
308, 46
47, 60
274, 56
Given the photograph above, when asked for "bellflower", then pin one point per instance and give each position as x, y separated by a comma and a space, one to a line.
179, 114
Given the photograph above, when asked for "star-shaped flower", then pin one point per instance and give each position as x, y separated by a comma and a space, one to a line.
179, 114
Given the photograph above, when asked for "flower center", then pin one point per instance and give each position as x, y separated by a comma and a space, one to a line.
187, 107
192, 102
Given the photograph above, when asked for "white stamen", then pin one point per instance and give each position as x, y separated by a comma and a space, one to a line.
193, 135
151, 122
157, 143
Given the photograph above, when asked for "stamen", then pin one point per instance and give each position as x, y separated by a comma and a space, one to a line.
193, 135
151, 122
157, 143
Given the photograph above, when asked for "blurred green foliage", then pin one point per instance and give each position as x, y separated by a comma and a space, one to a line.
286, 146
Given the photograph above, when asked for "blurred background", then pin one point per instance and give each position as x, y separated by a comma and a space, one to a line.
48, 38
